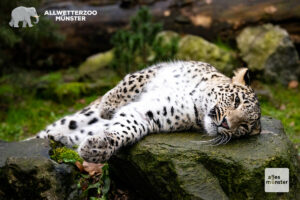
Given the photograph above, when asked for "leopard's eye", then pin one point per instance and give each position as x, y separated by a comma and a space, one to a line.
245, 126
236, 102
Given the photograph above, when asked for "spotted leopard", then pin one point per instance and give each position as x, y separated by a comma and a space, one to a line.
166, 97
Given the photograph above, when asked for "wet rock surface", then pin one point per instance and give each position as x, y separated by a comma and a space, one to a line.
27, 172
161, 166
177, 166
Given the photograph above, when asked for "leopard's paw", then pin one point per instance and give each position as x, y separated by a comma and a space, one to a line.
66, 139
96, 149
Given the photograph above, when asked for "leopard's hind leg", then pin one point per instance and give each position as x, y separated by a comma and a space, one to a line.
128, 90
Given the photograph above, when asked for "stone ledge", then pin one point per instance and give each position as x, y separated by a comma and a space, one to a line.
176, 166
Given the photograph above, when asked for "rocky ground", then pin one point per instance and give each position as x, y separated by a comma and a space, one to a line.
161, 166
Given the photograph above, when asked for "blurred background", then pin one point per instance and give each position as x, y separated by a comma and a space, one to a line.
55, 68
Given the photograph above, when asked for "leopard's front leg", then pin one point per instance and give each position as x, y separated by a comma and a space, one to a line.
154, 113
128, 126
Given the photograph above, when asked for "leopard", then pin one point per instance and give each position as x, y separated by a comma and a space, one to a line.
162, 98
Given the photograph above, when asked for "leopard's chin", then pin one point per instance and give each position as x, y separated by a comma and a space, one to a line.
210, 127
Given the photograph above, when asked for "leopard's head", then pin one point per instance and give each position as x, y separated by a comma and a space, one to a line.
235, 111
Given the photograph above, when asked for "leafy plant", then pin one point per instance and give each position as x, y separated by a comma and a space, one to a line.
96, 184
96, 187
62, 154
139, 46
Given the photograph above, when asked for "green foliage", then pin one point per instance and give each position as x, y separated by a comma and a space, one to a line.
69, 91
10, 133
283, 104
223, 45
29, 100
139, 46
29, 41
51, 78
47, 84
65, 155
96, 187
26, 116
6, 94
165, 50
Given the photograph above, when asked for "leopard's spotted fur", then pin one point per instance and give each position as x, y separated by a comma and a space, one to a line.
166, 97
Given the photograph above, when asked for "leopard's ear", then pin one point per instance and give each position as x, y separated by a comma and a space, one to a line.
241, 76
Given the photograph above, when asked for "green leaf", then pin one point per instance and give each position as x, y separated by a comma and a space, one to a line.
95, 198
85, 176
68, 160
95, 185
106, 186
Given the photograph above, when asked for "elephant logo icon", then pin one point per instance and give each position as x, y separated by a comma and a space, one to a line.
23, 14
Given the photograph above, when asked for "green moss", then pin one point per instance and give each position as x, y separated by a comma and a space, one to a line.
52, 78
96, 62
189, 168
64, 154
70, 91
196, 48
258, 43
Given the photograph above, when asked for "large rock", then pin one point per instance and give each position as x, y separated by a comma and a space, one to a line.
192, 47
176, 166
96, 63
27, 172
269, 49
96, 69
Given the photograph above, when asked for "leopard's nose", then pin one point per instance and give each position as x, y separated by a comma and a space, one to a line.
224, 123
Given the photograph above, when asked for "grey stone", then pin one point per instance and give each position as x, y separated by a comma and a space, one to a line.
177, 166
269, 49
161, 166
27, 172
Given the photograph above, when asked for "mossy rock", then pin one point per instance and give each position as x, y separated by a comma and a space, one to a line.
97, 72
62, 154
96, 63
70, 91
196, 48
27, 172
177, 166
269, 49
